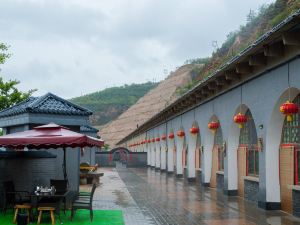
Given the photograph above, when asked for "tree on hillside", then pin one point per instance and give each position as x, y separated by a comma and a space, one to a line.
9, 94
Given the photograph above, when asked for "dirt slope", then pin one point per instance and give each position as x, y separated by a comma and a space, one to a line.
146, 107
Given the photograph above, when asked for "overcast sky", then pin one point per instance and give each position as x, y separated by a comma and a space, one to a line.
75, 47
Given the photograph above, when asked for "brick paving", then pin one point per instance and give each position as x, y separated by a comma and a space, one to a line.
147, 196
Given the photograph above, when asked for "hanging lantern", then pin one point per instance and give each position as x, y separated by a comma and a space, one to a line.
240, 119
153, 139
149, 141
180, 133
164, 137
289, 109
171, 135
157, 139
213, 126
194, 130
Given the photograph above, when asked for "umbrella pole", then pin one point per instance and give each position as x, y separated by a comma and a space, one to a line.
65, 165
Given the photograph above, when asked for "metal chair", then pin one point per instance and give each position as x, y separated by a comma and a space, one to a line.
12, 197
61, 186
86, 203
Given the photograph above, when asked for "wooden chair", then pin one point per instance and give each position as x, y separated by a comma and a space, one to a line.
26, 208
86, 203
13, 197
49, 209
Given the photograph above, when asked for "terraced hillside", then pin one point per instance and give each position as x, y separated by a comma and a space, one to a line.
146, 107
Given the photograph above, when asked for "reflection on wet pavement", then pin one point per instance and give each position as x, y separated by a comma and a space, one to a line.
150, 197
113, 194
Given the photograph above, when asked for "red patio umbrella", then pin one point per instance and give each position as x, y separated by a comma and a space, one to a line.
49, 136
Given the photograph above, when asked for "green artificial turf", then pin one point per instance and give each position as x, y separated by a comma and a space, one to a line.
82, 217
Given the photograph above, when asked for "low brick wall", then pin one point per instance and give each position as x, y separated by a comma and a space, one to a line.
104, 159
134, 159
220, 182
251, 189
137, 159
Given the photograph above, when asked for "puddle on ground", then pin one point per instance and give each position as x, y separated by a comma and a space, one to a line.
122, 199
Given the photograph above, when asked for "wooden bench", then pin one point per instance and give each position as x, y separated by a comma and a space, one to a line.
27, 208
92, 177
50, 209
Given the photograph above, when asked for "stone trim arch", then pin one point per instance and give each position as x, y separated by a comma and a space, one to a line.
272, 153
181, 146
171, 152
194, 153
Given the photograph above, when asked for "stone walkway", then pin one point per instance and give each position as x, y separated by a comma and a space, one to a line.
150, 197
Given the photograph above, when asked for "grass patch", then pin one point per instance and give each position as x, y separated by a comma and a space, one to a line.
82, 217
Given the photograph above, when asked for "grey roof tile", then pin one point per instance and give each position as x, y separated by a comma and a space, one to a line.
87, 128
46, 104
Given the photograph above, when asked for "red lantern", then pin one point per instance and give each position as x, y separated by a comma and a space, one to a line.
153, 139
180, 133
213, 126
171, 136
240, 119
164, 137
194, 130
157, 139
289, 109
149, 141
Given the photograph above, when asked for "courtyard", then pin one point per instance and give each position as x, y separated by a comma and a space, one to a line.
146, 196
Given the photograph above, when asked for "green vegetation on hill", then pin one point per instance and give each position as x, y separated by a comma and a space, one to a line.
257, 23
109, 103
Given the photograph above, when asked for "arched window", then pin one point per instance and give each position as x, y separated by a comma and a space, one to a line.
290, 130
291, 136
248, 139
218, 141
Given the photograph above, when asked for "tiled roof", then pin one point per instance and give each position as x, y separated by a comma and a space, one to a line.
87, 128
46, 104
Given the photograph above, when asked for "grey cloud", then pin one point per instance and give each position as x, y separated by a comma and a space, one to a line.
90, 48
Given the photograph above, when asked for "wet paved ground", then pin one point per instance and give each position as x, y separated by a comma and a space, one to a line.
150, 197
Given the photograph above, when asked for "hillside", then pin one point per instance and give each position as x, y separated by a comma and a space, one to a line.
109, 103
146, 107
257, 24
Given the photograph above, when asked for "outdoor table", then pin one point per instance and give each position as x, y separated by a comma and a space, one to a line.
50, 198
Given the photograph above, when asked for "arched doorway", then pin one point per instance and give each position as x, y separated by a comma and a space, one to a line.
119, 154
289, 159
217, 171
192, 154
248, 157
180, 152
171, 151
